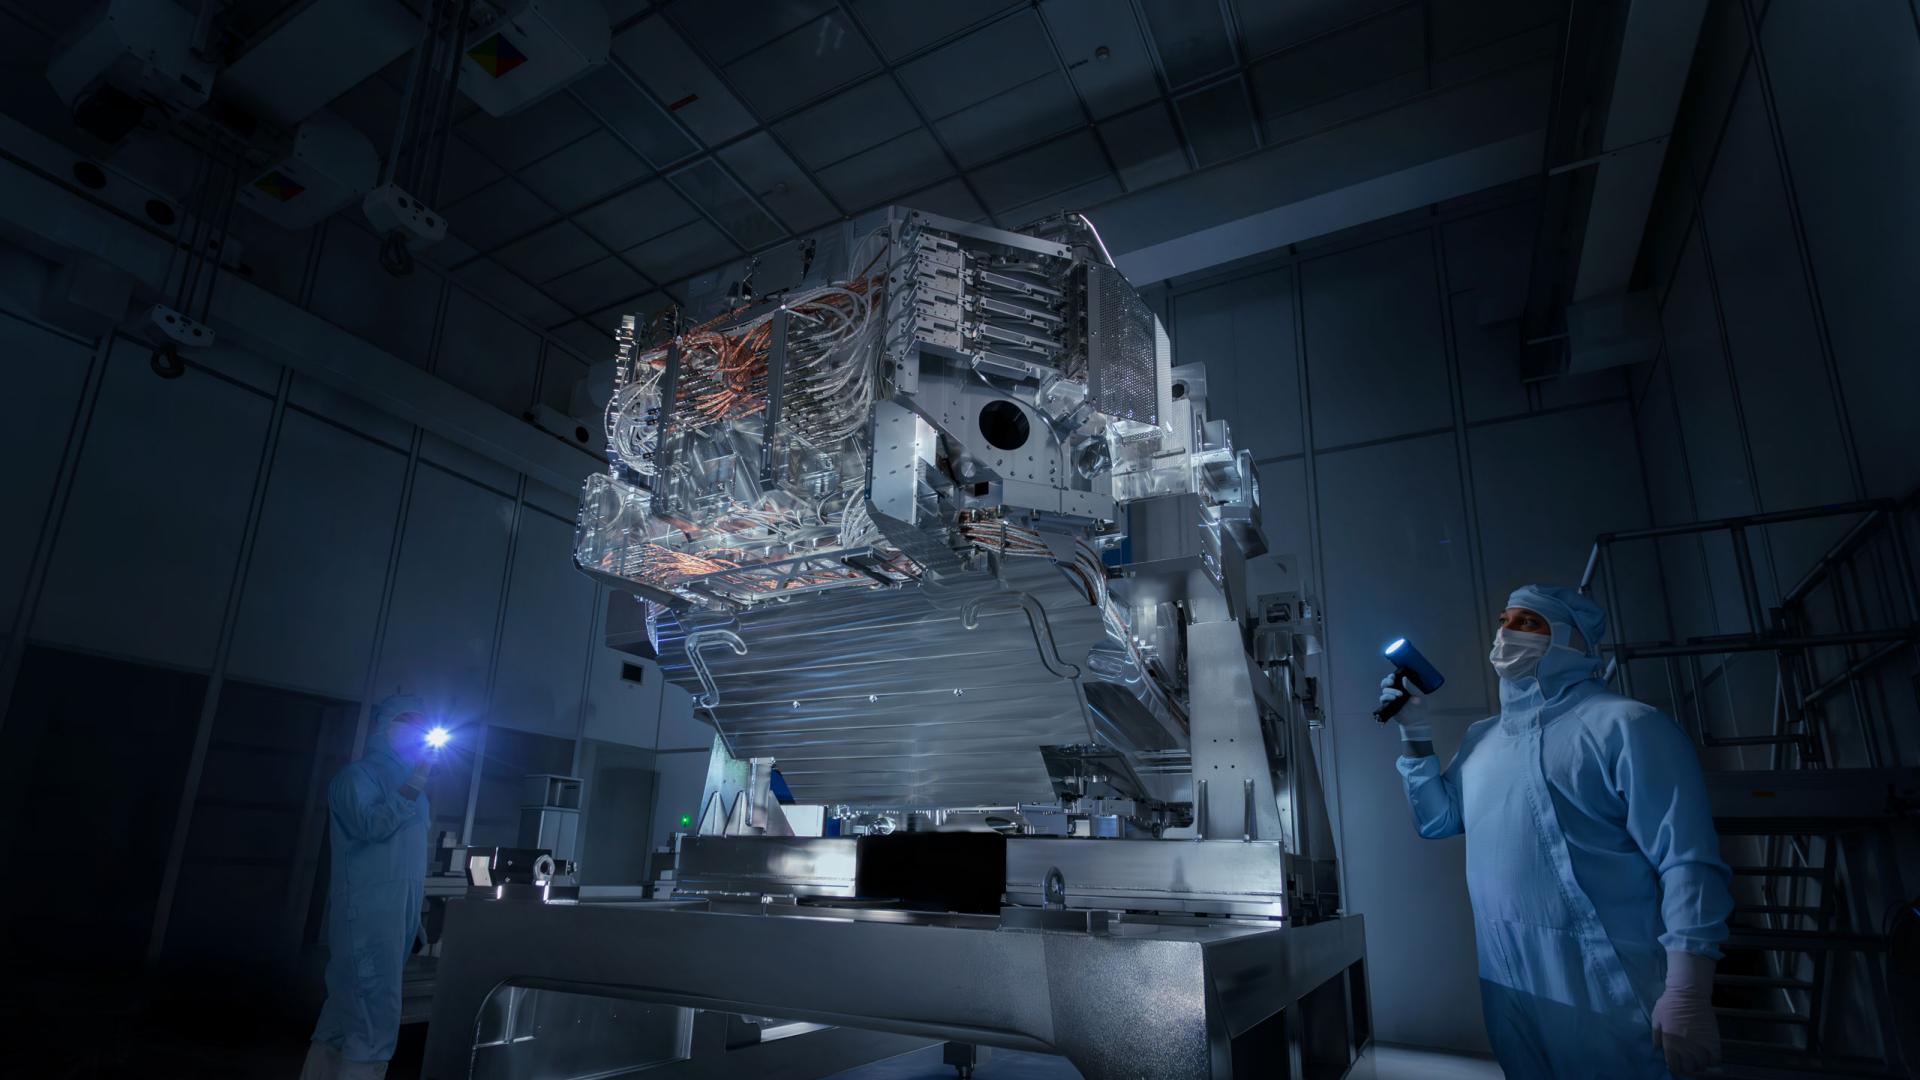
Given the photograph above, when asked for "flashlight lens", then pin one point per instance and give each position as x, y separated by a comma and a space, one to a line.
437, 738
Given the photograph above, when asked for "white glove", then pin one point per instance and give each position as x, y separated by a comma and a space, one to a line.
416, 784
1412, 717
1684, 1027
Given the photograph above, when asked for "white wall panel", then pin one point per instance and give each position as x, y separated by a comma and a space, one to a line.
1848, 91
1489, 264
1397, 564
1490, 255
1544, 487
620, 709
549, 626
682, 777
680, 727
341, 408
149, 541
1792, 423
1670, 496
240, 364
45, 373
487, 354
1376, 363
1400, 566
1243, 332
312, 601
1710, 432
24, 277
468, 464
561, 504
1489, 359
615, 825
276, 257
440, 625
352, 292
1283, 507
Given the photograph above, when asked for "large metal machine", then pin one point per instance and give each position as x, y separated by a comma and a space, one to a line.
1011, 703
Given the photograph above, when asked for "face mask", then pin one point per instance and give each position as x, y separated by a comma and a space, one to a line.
1516, 653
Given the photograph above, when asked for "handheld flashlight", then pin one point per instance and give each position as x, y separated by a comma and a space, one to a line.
437, 737
1412, 668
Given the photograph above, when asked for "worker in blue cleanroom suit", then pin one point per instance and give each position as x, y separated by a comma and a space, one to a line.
377, 826
1599, 897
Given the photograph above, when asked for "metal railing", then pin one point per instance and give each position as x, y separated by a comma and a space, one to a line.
1787, 945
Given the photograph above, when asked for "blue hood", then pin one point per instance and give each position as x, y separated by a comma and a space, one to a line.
1568, 668
379, 746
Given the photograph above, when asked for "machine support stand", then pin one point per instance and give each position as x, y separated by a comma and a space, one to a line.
964, 1057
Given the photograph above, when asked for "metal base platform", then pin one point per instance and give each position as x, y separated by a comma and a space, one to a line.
675, 987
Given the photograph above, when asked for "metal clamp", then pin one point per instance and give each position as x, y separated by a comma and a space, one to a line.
1053, 889
699, 640
1200, 810
1247, 822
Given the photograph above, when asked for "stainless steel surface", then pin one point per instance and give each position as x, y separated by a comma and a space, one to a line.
1209, 876
961, 549
1213, 877
760, 865
1233, 748
580, 1034
885, 696
1145, 998
924, 594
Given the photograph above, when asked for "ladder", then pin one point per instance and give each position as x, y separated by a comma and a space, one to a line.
1804, 988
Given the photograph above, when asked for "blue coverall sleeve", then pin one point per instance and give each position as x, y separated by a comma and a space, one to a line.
366, 810
1434, 795
1658, 774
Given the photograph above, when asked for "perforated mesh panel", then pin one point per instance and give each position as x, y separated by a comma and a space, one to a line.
1120, 357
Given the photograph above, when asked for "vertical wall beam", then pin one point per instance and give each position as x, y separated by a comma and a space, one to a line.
493, 659
1462, 446
216, 679
43, 547
16, 646
1327, 746
1797, 221
387, 588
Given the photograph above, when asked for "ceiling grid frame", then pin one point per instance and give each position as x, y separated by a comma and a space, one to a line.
766, 123
1164, 99
1079, 97
1165, 86
1237, 46
890, 69
674, 172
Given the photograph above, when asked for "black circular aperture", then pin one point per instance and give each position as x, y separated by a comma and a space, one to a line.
1004, 425
91, 176
166, 362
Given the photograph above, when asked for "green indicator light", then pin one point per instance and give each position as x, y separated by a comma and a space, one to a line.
686, 820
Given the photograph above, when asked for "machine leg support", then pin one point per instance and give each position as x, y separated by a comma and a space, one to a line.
964, 1057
